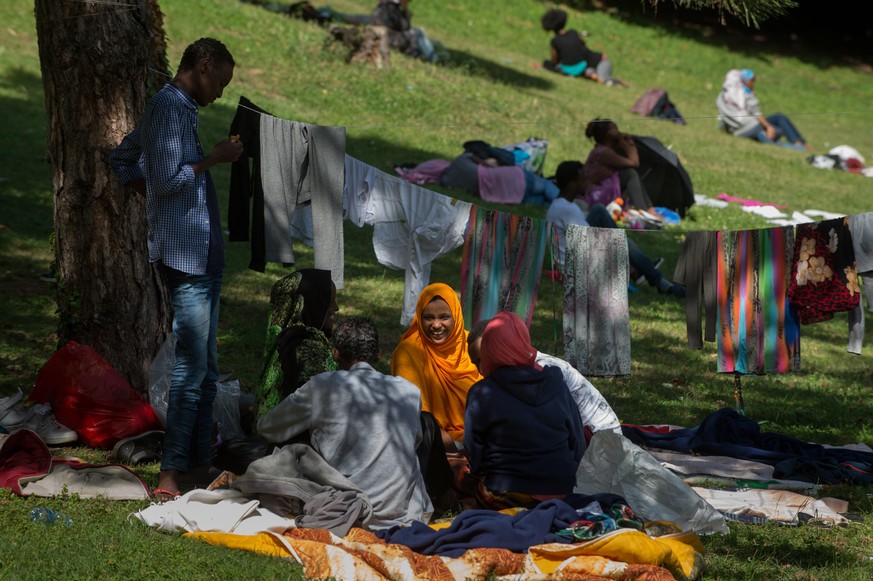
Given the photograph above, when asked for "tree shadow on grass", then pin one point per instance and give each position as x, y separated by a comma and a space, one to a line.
813, 32
777, 547
25, 175
26, 303
495, 72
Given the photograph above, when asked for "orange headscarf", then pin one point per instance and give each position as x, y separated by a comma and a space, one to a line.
506, 342
444, 372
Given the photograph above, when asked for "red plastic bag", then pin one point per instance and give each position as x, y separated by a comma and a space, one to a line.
87, 395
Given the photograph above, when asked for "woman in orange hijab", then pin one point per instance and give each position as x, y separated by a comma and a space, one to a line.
432, 354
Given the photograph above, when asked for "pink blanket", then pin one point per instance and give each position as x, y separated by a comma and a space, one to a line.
503, 184
426, 172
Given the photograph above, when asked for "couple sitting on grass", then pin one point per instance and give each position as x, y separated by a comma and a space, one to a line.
609, 173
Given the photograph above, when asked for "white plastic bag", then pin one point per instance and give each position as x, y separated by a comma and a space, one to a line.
612, 463
225, 409
161, 376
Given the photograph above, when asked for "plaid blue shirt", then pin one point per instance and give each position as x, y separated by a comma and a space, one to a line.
161, 150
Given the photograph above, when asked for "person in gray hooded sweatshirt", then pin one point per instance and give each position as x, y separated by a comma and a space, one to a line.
364, 423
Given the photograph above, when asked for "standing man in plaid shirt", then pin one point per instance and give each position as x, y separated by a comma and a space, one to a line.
163, 160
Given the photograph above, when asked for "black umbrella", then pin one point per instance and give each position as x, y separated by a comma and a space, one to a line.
662, 173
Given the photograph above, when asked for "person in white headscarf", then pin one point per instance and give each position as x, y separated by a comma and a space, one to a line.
740, 113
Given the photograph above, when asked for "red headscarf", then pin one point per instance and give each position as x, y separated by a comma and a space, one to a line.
505, 342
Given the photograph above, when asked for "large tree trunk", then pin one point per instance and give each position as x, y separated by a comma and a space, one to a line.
95, 59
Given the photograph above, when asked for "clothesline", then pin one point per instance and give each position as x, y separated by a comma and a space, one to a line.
241, 105
672, 230
623, 120
634, 119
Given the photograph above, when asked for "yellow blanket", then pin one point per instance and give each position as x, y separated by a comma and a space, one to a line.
360, 555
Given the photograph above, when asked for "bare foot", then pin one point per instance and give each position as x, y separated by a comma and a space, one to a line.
168, 486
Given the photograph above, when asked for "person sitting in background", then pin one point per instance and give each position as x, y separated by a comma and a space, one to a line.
611, 168
740, 113
363, 423
523, 433
594, 410
571, 56
432, 354
565, 212
297, 346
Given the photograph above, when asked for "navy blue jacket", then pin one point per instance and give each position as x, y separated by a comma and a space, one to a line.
522, 431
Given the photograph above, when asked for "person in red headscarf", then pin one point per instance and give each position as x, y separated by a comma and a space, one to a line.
522, 431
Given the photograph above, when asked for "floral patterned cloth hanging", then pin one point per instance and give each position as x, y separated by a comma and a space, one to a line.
824, 279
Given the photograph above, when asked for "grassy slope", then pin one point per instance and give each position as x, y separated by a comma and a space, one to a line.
413, 111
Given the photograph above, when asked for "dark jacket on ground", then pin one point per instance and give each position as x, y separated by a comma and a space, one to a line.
522, 431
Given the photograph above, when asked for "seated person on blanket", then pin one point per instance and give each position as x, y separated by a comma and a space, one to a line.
740, 113
594, 410
523, 433
571, 56
564, 212
611, 168
364, 423
432, 354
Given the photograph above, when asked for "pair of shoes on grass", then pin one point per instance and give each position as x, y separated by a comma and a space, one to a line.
37, 418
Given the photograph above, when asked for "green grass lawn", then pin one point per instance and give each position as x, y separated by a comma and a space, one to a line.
413, 111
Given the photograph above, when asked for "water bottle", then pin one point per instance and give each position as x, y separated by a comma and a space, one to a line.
49, 516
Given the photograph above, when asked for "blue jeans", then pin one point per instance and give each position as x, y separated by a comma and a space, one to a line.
188, 436
599, 217
784, 128
538, 190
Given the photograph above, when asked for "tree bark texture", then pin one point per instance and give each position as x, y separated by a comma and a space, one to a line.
95, 59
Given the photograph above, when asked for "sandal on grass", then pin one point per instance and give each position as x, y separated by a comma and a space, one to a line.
164, 495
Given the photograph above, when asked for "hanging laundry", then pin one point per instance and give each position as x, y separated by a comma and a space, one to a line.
502, 264
758, 330
824, 279
245, 183
287, 166
303, 163
412, 226
697, 270
861, 226
359, 180
596, 322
